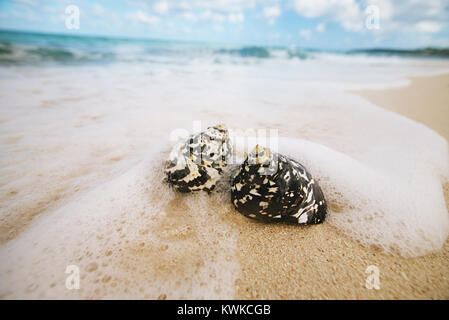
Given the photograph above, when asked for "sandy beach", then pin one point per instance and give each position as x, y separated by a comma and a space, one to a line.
83, 182
424, 100
319, 262
128, 131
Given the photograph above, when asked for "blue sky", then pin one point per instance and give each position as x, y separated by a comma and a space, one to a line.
321, 24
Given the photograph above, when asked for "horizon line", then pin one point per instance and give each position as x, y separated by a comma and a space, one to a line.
115, 37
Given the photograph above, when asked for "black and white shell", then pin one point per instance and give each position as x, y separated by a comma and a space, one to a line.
196, 164
271, 187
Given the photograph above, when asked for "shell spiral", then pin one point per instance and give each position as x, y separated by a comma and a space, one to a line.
271, 187
197, 163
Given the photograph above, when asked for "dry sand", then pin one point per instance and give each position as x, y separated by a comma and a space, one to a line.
425, 100
318, 262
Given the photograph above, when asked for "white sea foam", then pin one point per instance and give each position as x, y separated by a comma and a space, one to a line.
130, 236
81, 171
397, 205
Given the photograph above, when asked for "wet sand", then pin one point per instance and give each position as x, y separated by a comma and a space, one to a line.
319, 262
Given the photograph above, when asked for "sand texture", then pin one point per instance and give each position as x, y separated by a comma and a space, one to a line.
425, 100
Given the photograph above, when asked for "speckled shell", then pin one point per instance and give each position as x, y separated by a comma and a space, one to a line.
271, 187
196, 164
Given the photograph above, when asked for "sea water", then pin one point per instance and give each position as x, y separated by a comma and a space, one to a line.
86, 124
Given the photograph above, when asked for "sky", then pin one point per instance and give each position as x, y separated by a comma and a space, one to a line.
319, 24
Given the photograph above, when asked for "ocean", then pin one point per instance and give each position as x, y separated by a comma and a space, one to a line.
86, 124
37, 48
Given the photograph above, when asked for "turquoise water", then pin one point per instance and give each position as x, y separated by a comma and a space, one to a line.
37, 48
21, 47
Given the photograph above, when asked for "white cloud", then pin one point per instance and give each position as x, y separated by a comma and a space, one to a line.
189, 16
216, 18
161, 7
100, 16
321, 27
327, 8
428, 26
98, 10
144, 17
386, 8
305, 33
346, 12
394, 16
223, 5
212, 16
272, 13
236, 17
410, 17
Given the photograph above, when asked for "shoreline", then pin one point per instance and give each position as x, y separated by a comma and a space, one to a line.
320, 262
409, 101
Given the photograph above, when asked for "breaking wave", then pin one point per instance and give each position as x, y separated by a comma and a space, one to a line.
34, 48
257, 52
